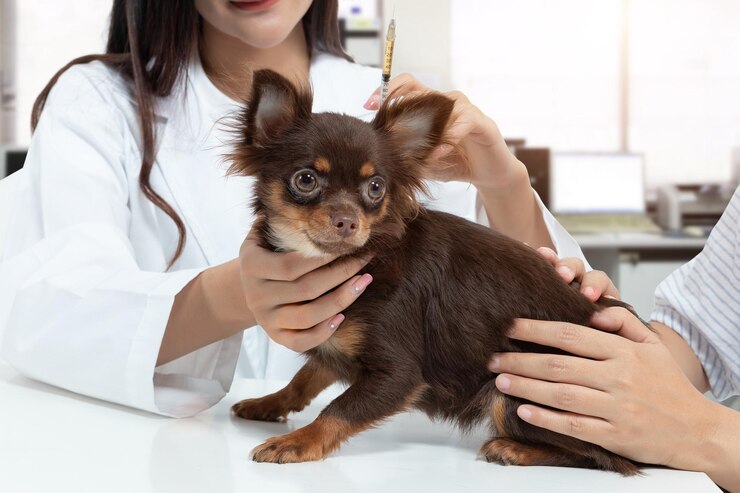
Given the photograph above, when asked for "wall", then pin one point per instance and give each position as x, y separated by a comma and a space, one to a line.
49, 34
422, 39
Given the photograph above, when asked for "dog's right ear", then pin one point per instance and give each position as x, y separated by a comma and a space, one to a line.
274, 106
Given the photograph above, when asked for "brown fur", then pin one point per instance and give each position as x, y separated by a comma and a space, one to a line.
306, 385
445, 290
310, 443
346, 343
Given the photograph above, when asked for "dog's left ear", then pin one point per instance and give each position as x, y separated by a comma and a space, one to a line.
415, 124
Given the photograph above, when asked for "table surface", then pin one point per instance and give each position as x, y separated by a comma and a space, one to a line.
53, 440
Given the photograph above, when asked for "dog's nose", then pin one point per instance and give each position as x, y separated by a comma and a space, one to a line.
346, 223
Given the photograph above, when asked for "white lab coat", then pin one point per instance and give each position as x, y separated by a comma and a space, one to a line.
84, 299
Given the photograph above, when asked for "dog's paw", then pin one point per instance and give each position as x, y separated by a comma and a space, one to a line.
289, 448
259, 410
511, 453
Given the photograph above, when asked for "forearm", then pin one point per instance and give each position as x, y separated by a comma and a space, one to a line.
512, 208
209, 308
684, 356
716, 448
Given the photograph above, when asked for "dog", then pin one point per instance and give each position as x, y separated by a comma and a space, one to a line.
445, 290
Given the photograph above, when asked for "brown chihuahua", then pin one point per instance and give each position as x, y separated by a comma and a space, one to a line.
445, 290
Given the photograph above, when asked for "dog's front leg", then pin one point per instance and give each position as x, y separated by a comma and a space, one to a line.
371, 399
306, 384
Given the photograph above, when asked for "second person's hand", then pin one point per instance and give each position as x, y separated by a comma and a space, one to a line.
594, 283
293, 297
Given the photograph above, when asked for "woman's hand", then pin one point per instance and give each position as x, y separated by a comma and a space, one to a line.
289, 296
501, 179
492, 166
594, 284
621, 390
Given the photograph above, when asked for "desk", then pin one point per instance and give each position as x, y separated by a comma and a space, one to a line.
53, 440
638, 262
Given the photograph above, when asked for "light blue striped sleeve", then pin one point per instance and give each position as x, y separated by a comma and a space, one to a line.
701, 302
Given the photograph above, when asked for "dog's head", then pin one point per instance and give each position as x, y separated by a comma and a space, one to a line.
328, 183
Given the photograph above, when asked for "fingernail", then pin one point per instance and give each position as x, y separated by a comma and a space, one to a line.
363, 282
373, 102
524, 413
610, 297
495, 363
503, 382
565, 272
588, 292
336, 321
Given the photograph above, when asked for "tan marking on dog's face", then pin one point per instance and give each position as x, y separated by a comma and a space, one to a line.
308, 229
322, 165
367, 170
288, 224
325, 236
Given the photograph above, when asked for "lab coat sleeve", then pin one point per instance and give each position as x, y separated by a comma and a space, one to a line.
77, 310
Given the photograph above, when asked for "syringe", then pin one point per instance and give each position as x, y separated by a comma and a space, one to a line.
390, 39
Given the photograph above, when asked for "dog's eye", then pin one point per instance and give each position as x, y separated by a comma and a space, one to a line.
376, 189
305, 181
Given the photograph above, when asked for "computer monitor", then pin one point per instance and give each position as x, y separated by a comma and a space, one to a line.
11, 159
595, 183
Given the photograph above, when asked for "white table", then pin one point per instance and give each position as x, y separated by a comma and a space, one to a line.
56, 441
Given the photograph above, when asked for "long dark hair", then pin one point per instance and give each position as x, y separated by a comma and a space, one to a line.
150, 42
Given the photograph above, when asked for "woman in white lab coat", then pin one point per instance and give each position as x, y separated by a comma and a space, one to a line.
126, 275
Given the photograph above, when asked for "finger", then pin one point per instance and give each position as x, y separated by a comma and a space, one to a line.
459, 129
550, 367
314, 284
549, 254
306, 315
570, 269
563, 396
303, 340
399, 85
624, 324
586, 428
572, 338
596, 284
277, 266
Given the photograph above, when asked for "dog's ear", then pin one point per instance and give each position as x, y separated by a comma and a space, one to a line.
274, 106
415, 124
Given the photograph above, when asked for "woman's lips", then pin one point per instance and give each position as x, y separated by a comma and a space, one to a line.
253, 4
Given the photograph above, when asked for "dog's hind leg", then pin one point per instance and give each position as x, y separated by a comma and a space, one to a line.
519, 443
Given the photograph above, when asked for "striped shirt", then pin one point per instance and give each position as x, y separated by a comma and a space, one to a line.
701, 302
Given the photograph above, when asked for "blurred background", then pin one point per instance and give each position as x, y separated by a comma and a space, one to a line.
626, 112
